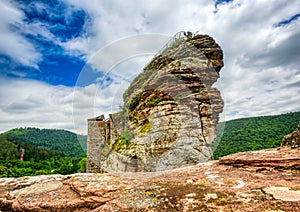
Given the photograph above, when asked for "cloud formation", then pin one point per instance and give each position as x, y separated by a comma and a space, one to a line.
13, 44
260, 40
26, 103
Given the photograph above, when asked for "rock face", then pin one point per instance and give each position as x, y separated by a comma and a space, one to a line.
170, 112
254, 181
293, 139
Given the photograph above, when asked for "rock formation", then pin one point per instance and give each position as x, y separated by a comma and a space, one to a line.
170, 112
292, 139
266, 180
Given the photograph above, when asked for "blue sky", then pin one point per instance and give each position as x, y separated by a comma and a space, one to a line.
45, 25
55, 51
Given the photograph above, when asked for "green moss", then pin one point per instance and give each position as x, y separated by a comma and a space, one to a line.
146, 127
121, 143
153, 102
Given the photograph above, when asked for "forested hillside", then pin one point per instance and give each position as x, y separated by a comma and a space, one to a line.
56, 140
37, 160
58, 151
255, 133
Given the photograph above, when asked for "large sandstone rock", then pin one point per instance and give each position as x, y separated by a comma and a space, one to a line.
292, 139
267, 182
170, 111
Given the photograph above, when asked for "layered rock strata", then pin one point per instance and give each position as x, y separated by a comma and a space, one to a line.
170, 111
292, 139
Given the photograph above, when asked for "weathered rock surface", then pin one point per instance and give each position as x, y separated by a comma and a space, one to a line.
283, 159
292, 139
261, 184
170, 111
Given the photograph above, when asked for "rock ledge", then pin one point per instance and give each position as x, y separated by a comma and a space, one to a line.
267, 180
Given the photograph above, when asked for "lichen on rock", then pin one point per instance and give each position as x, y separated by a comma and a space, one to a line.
170, 110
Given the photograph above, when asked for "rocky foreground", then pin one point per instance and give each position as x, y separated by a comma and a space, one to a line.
267, 180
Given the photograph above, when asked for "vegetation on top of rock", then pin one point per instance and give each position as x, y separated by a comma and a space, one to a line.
135, 101
158, 106
254, 133
121, 143
153, 102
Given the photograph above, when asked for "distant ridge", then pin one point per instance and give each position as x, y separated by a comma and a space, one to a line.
254, 133
62, 141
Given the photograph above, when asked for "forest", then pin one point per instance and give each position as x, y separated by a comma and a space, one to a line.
47, 151
62, 141
50, 151
255, 133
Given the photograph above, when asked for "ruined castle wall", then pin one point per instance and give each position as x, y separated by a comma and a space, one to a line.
97, 133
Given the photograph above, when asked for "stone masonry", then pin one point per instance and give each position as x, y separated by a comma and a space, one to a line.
96, 139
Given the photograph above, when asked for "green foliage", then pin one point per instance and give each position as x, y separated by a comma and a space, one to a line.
200, 90
10, 150
57, 140
82, 165
135, 101
255, 133
122, 141
37, 160
127, 135
63, 165
153, 102
133, 120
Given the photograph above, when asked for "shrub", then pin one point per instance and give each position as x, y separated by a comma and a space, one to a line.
122, 141
135, 101
200, 90
153, 102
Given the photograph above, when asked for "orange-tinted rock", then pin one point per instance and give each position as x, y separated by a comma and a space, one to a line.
210, 186
284, 158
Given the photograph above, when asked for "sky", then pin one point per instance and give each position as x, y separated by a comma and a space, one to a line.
64, 61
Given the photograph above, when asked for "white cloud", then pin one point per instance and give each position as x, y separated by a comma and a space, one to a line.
260, 76
257, 51
114, 20
100, 98
13, 44
26, 103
